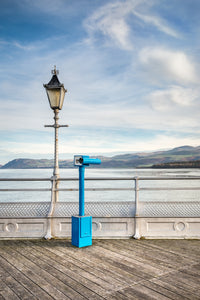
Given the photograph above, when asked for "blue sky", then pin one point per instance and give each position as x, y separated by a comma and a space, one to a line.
131, 68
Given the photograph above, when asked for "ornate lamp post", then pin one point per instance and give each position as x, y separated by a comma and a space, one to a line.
55, 93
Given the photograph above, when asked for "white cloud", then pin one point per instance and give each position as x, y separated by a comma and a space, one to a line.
33, 148
95, 101
167, 99
158, 23
127, 117
20, 45
110, 20
168, 65
23, 47
113, 21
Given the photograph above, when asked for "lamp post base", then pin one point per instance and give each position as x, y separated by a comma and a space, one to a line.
81, 231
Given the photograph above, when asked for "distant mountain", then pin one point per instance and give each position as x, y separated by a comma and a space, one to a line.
25, 163
178, 165
141, 160
182, 155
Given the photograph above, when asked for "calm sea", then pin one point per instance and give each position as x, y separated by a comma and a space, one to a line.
170, 195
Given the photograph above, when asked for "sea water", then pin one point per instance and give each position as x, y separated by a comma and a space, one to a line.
102, 196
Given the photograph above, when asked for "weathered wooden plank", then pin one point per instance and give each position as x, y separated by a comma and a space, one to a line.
110, 269
5, 291
122, 262
61, 289
108, 283
139, 254
98, 273
193, 270
56, 270
83, 270
73, 271
82, 253
147, 265
22, 279
29, 272
139, 291
172, 294
176, 288
170, 259
192, 276
119, 295
190, 249
188, 280
17, 288
178, 280
98, 263
123, 295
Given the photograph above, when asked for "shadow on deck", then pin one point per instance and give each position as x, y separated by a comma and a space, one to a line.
110, 269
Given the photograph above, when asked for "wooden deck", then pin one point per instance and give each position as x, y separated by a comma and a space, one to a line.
110, 269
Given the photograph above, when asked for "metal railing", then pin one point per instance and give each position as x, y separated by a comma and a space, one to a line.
141, 205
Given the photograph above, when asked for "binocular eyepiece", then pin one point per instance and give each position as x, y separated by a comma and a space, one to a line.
81, 160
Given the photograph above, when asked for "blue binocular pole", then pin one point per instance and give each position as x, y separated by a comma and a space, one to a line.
81, 191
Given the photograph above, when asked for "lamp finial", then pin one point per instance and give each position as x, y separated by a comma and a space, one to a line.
55, 72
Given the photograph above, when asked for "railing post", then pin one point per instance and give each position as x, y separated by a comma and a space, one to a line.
137, 231
54, 192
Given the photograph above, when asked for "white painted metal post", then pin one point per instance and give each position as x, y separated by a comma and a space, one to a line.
56, 173
137, 231
48, 235
56, 126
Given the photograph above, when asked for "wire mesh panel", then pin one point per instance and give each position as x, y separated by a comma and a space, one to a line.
169, 209
169, 197
25, 209
96, 209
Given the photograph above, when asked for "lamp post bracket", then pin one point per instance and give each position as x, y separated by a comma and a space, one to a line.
56, 126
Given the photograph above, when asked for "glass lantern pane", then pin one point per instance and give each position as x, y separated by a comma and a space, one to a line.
54, 97
62, 95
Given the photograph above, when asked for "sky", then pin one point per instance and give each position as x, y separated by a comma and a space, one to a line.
131, 69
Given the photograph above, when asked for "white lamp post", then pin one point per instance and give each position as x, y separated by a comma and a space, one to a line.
56, 93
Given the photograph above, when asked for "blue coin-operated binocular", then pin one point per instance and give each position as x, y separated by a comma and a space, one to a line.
83, 160
82, 225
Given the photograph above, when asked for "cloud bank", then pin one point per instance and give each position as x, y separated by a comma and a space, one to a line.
130, 67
